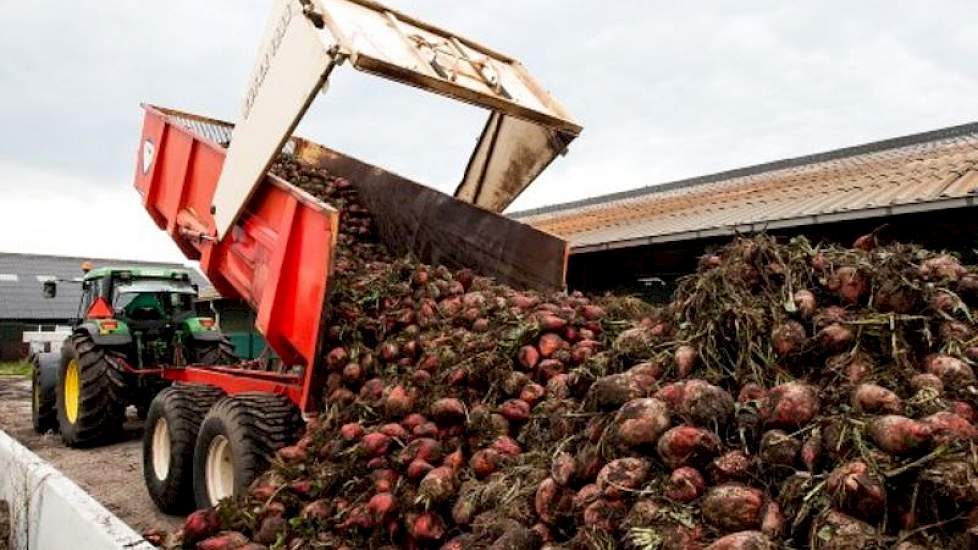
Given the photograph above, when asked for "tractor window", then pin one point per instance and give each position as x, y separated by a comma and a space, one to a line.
86, 299
152, 299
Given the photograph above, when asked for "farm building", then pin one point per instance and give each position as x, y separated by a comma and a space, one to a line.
918, 188
24, 309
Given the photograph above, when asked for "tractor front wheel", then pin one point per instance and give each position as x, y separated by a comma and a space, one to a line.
237, 440
91, 394
172, 423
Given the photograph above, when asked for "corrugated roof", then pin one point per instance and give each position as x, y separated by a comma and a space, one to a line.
20, 290
926, 171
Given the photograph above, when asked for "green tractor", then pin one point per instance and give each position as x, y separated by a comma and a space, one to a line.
131, 321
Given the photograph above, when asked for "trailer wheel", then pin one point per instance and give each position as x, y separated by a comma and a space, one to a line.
44, 381
236, 442
172, 423
91, 393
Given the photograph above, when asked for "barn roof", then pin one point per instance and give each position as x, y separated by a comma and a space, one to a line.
22, 277
926, 171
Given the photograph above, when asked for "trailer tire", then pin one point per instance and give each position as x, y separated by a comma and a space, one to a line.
91, 393
172, 423
237, 441
44, 382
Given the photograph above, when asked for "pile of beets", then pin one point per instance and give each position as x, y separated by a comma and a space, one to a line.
790, 396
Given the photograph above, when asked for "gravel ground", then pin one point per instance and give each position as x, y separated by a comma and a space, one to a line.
113, 474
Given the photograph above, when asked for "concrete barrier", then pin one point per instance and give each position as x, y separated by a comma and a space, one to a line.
49, 512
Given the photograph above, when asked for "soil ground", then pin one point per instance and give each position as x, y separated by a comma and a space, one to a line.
4, 526
113, 474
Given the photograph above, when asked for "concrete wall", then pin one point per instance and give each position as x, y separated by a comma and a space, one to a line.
49, 512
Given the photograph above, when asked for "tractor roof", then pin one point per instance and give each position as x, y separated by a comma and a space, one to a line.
139, 272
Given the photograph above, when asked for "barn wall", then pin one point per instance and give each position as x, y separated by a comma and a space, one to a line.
620, 270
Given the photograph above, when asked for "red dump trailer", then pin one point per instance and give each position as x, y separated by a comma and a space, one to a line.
260, 239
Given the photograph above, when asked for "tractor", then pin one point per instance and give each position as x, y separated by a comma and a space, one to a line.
131, 322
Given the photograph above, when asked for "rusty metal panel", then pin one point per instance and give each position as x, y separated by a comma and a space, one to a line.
437, 228
527, 128
510, 154
397, 46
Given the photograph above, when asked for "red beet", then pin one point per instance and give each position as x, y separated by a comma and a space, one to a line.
948, 427
734, 507
804, 303
413, 420
384, 480
942, 268
400, 401
438, 485
293, 454
641, 422
428, 526
744, 540
704, 404
855, 490
873, 399
529, 356
732, 466
685, 484
772, 520
621, 476
685, 358
952, 371
549, 343
484, 462
506, 445
317, 509
515, 410
604, 515
337, 358
788, 338
791, 405
200, 525
380, 506
852, 284
552, 501
229, 540
899, 435
448, 410
375, 444
687, 445
834, 338
532, 393
417, 469
751, 392
562, 468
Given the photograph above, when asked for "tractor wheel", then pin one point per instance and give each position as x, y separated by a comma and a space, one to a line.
44, 381
91, 393
172, 423
236, 442
220, 352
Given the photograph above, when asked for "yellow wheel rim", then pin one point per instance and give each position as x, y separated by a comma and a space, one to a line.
72, 391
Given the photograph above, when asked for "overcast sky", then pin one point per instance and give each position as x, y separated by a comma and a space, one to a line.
664, 90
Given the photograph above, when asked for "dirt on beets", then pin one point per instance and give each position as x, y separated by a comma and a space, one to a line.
789, 396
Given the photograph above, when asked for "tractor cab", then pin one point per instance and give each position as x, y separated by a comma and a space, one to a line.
132, 321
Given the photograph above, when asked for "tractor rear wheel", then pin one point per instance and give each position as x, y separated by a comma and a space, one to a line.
169, 437
44, 374
220, 352
91, 393
236, 442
